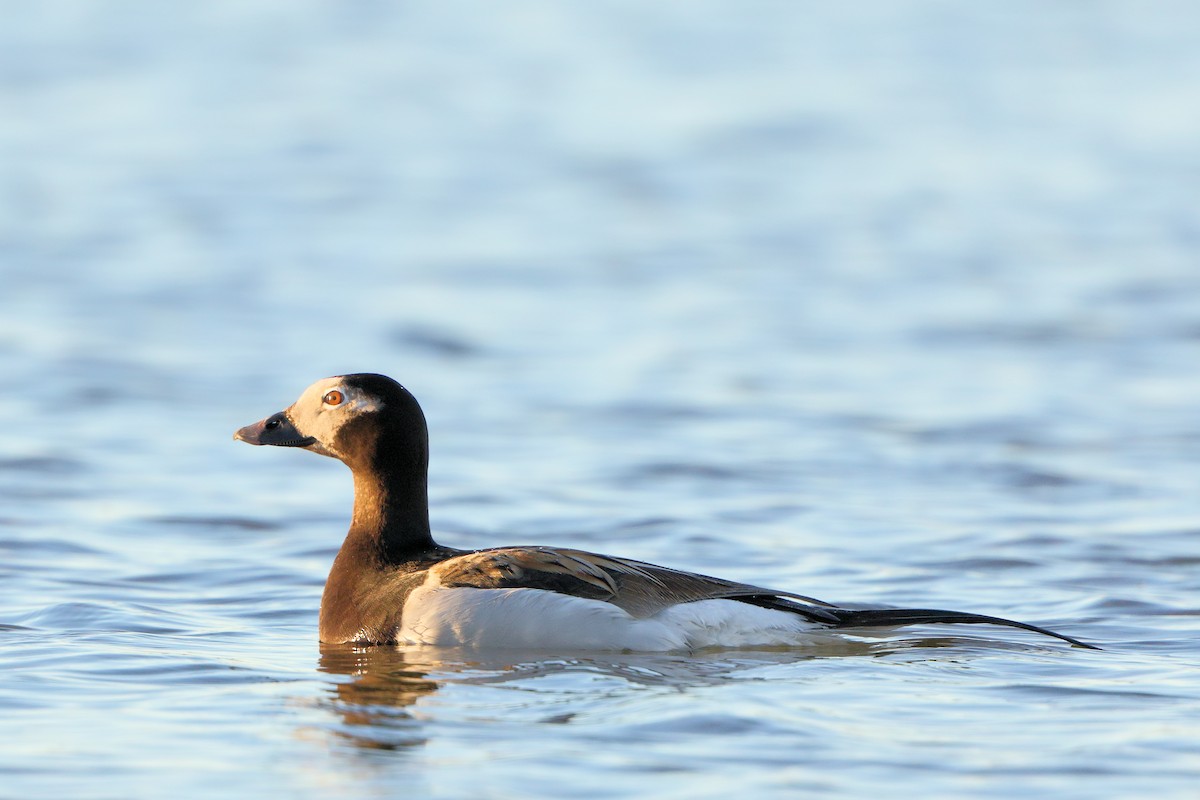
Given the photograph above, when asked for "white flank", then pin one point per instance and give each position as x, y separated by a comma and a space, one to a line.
533, 618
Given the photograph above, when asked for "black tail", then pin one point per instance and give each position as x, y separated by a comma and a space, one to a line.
849, 618
868, 618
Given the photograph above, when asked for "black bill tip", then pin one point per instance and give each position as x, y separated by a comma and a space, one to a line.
276, 430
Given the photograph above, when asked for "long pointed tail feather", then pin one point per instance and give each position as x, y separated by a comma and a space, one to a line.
882, 617
853, 618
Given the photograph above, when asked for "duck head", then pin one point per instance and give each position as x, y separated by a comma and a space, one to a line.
347, 417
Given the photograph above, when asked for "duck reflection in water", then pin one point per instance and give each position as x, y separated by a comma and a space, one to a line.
377, 691
383, 682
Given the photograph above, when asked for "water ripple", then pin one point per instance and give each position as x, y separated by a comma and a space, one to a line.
710, 289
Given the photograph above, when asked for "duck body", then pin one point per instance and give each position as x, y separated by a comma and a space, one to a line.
502, 598
391, 583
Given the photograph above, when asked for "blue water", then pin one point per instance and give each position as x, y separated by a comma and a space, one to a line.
885, 303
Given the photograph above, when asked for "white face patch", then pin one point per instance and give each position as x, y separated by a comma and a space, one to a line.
325, 407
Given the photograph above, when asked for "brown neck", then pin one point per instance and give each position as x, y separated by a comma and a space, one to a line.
391, 515
390, 526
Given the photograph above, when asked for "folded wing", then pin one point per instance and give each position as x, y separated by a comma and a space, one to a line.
640, 589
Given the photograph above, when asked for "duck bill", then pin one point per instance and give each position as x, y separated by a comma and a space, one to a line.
276, 430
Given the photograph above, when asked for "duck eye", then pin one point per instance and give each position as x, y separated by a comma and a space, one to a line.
333, 398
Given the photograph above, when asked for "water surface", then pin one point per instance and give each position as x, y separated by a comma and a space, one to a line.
887, 305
